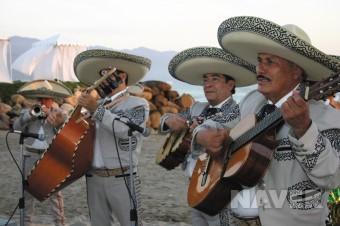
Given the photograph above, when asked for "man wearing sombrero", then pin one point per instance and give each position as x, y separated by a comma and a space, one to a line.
218, 72
108, 181
44, 118
306, 160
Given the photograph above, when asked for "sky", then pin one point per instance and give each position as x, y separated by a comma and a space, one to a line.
162, 24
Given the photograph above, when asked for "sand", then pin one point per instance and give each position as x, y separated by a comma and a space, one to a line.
163, 192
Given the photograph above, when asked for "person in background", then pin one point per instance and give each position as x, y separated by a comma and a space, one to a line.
108, 180
45, 117
5, 120
219, 73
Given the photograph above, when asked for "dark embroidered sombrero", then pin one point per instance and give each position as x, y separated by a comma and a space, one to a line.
88, 65
44, 89
247, 36
191, 64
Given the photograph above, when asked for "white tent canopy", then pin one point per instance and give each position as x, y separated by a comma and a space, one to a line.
58, 63
49, 59
5, 71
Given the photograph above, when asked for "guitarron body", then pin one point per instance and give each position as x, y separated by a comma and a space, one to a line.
67, 158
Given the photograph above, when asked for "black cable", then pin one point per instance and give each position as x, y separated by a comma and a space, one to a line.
10, 218
21, 173
121, 166
10, 152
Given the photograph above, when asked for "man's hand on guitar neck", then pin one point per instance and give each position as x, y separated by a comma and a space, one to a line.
212, 140
88, 101
295, 111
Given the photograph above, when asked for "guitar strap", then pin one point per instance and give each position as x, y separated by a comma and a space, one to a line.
108, 104
269, 138
265, 110
116, 101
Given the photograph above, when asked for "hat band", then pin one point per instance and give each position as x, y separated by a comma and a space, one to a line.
274, 32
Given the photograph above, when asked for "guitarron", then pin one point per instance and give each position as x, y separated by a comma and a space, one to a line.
69, 155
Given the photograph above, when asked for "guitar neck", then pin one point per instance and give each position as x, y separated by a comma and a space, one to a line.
319, 90
268, 122
95, 85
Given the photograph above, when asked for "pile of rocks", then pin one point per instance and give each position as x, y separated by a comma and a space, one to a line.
162, 99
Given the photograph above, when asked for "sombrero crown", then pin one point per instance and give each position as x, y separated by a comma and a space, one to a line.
191, 64
44, 89
88, 65
247, 36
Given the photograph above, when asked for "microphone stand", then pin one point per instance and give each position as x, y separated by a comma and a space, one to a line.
23, 181
133, 211
132, 127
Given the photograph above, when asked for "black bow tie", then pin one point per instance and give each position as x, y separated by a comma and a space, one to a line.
212, 111
266, 110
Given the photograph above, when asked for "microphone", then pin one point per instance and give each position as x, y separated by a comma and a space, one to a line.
33, 135
144, 131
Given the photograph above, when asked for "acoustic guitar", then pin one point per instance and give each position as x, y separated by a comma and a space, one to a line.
247, 155
68, 157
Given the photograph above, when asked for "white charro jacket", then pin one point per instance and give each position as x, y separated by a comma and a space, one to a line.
294, 190
112, 140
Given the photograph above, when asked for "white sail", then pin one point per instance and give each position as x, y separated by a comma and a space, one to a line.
5, 72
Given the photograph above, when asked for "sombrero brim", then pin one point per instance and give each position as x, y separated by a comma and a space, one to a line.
246, 37
88, 64
44, 89
190, 65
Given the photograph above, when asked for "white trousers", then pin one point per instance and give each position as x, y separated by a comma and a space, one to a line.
56, 201
108, 198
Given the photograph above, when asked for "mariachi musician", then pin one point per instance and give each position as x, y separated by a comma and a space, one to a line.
306, 161
108, 180
44, 118
219, 73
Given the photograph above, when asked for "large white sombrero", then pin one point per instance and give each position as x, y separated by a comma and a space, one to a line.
44, 89
191, 64
247, 36
88, 65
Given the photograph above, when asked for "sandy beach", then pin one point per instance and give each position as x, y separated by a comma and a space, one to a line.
163, 192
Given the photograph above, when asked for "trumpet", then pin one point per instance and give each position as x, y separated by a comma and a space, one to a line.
38, 112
